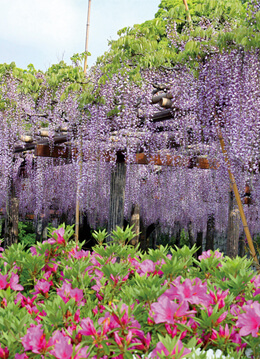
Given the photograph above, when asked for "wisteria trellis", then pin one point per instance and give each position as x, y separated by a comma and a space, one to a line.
227, 85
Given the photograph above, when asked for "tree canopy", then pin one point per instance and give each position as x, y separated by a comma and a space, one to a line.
170, 39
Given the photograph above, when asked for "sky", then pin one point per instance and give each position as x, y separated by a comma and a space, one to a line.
44, 32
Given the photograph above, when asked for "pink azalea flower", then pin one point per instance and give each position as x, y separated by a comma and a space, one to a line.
81, 352
249, 322
42, 286
14, 282
64, 291
124, 320
33, 251
4, 353
160, 349
167, 311
193, 292
20, 356
118, 340
235, 309
138, 338
35, 340
52, 267
210, 253
222, 332
77, 294
59, 233
147, 266
62, 348
218, 297
87, 327
81, 254
3, 281
220, 318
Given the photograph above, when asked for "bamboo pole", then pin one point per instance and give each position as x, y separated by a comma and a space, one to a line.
77, 197
238, 199
80, 162
187, 9
87, 36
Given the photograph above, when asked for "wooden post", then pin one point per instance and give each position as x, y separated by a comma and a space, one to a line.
135, 221
117, 195
77, 218
233, 228
39, 228
210, 232
199, 243
177, 230
191, 234
77, 215
12, 218
144, 236
187, 9
87, 36
238, 199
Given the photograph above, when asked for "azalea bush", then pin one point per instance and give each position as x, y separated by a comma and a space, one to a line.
60, 301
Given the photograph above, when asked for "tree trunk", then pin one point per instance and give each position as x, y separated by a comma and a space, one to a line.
191, 235
210, 232
241, 246
143, 237
2, 233
12, 219
177, 230
135, 222
117, 196
199, 243
39, 228
233, 228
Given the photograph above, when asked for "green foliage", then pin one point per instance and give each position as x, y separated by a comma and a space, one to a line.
68, 232
13, 322
216, 25
143, 288
233, 274
26, 233
126, 291
181, 259
123, 236
56, 310
100, 236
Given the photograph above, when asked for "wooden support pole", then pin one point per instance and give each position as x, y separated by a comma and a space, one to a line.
238, 199
135, 222
199, 241
192, 239
77, 214
143, 236
117, 196
233, 228
87, 37
210, 234
12, 218
187, 9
